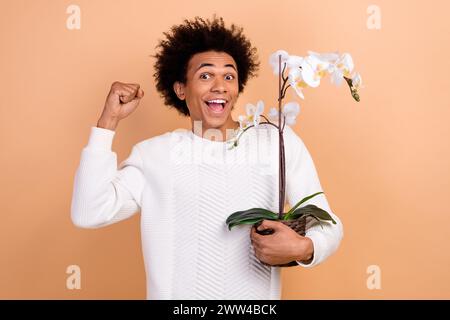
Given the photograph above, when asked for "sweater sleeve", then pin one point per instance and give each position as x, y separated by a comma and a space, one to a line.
104, 193
302, 180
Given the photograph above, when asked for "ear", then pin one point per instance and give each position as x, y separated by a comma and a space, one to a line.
178, 87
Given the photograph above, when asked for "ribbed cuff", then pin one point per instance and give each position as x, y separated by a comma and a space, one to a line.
101, 138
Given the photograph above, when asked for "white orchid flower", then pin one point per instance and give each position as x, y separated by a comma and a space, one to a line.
294, 62
331, 57
243, 122
254, 112
296, 81
357, 81
309, 74
345, 63
320, 67
273, 114
337, 76
303, 76
342, 68
330, 64
274, 60
290, 111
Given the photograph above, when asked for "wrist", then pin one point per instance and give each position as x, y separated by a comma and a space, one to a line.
306, 253
107, 123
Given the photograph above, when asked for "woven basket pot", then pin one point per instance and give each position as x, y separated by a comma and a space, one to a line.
298, 225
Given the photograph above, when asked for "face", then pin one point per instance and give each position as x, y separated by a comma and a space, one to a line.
211, 89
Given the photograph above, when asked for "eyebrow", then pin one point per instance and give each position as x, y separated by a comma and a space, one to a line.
212, 65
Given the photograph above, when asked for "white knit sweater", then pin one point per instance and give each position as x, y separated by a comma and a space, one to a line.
185, 186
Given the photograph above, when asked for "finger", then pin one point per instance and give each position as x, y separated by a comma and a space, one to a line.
256, 247
258, 239
135, 86
122, 92
253, 234
140, 93
125, 98
131, 88
129, 95
134, 89
260, 255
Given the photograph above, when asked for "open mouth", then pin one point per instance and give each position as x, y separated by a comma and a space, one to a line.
216, 105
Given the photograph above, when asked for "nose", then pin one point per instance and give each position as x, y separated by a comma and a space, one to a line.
219, 85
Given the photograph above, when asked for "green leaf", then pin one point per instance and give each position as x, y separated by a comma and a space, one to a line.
308, 209
314, 211
262, 217
254, 217
250, 216
314, 217
301, 201
318, 220
249, 211
322, 214
253, 212
245, 221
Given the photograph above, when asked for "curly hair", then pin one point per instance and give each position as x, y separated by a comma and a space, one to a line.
196, 36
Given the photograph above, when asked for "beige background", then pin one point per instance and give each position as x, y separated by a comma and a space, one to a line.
383, 163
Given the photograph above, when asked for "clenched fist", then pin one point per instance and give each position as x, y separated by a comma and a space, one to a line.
122, 100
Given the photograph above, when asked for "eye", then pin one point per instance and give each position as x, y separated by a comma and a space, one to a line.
229, 77
205, 76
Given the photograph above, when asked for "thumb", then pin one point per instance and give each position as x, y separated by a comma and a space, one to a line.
130, 106
268, 224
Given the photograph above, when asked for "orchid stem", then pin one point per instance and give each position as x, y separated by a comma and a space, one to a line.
282, 73
268, 120
280, 138
284, 91
264, 122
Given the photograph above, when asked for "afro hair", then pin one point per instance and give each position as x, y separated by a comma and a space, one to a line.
196, 36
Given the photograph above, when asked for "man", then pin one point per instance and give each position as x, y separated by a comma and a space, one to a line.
185, 195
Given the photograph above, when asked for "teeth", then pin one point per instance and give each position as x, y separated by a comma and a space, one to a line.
217, 101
